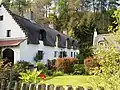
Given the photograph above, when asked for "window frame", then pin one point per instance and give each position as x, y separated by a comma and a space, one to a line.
8, 33
1, 17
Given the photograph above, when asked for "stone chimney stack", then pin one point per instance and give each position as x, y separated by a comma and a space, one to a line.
94, 36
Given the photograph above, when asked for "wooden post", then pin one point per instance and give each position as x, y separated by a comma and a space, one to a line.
69, 87
32, 86
41, 87
50, 87
23, 86
27, 86
79, 88
16, 87
59, 87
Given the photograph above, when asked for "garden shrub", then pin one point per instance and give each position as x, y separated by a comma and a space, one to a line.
91, 63
5, 69
65, 64
108, 74
42, 67
79, 69
50, 72
20, 66
51, 64
58, 73
30, 77
80, 58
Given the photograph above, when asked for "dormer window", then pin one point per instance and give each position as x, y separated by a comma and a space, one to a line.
67, 43
101, 43
1, 18
41, 35
8, 33
72, 44
57, 40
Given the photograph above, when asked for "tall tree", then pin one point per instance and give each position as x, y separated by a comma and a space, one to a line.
40, 9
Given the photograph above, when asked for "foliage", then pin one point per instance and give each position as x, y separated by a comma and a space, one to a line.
20, 66
39, 8
65, 64
90, 63
109, 59
41, 66
50, 72
58, 73
30, 77
108, 73
76, 18
51, 64
79, 69
5, 68
80, 58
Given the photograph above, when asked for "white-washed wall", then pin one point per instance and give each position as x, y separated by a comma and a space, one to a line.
9, 23
28, 51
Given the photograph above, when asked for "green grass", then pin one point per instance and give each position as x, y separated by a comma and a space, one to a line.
76, 80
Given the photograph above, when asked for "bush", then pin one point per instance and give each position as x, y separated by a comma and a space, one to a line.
42, 67
58, 73
49, 72
51, 64
81, 58
108, 75
20, 66
5, 69
65, 64
79, 69
30, 77
91, 63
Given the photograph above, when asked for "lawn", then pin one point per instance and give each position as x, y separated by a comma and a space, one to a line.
76, 80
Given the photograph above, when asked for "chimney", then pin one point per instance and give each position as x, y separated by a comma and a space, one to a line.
94, 36
28, 14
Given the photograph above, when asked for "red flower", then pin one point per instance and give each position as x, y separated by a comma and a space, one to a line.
42, 76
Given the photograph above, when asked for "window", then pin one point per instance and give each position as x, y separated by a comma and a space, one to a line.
74, 55
71, 54
8, 33
40, 52
40, 55
1, 18
41, 36
60, 55
72, 44
64, 54
55, 54
67, 43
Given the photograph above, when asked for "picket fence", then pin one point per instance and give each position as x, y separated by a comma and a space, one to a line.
32, 86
